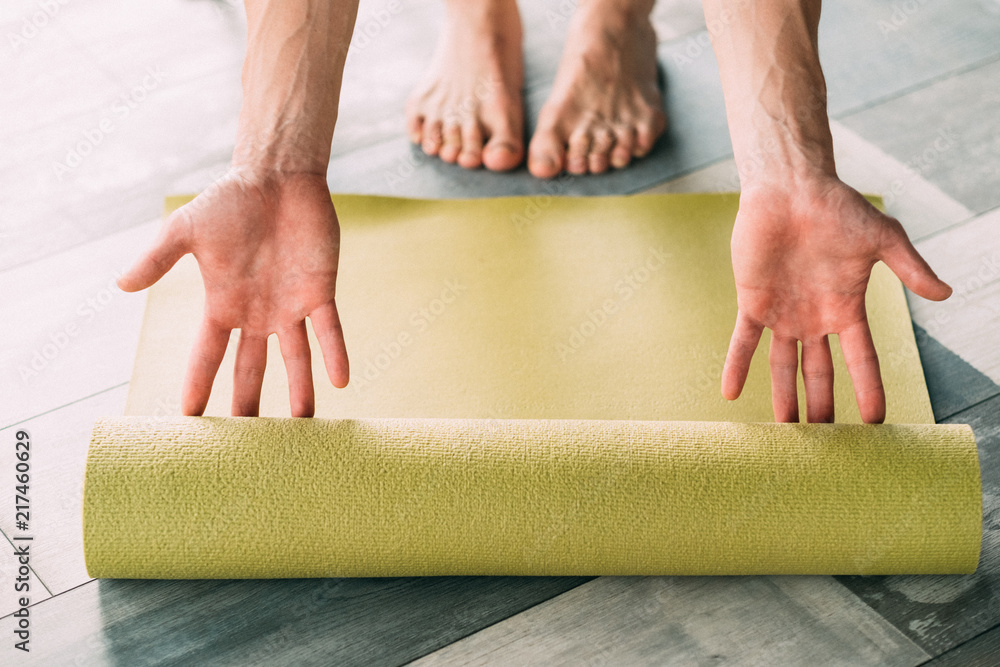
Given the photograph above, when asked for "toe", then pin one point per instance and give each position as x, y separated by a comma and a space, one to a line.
505, 149
546, 153
621, 154
647, 132
432, 138
415, 128
471, 156
576, 154
502, 155
600, 150
452, 145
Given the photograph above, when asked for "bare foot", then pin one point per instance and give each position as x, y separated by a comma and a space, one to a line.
605, 107
469, 109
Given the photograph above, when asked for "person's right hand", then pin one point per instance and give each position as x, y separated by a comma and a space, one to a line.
267, 247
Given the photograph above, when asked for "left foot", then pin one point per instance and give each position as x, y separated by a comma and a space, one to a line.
605, 107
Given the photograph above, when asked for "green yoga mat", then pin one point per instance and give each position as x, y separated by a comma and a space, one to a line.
260, 498
535, 390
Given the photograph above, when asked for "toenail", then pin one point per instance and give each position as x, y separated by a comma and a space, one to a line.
505, 147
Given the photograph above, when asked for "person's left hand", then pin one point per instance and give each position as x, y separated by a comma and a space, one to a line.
802, 257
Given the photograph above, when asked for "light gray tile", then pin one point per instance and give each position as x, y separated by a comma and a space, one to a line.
873, 51
66, 328
968, 258
948, 133
58, 456
273, 622
689, 621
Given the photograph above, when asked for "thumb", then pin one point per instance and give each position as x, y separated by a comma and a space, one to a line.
904, 260
164, 253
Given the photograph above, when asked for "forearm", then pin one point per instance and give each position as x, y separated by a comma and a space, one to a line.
774, 89
291, 83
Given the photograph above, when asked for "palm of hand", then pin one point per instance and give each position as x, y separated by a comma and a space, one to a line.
801, 262
268, 254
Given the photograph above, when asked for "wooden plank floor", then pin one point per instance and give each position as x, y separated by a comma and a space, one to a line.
914, 96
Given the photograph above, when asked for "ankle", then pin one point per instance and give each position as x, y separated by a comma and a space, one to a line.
617, 15
480, 12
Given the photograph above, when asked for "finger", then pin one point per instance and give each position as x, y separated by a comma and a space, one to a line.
904, 260
294, 344
784, 358
326, 324
862, 363
817, 375
206, 355
746, 335
170, 245
248, 374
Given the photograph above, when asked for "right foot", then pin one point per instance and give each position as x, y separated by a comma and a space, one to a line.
469, 109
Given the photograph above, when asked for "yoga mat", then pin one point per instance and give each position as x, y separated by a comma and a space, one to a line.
516, 364
528, 308
260, 498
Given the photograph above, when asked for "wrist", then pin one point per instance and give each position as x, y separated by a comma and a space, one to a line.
269, 178
785, 149
268, 154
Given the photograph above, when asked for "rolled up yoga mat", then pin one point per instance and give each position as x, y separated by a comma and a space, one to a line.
261, 498
534, 391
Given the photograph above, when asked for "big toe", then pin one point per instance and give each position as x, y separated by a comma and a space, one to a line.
505, 148
546, 154
502, 155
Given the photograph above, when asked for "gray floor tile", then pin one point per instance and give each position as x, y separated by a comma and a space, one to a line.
948, 132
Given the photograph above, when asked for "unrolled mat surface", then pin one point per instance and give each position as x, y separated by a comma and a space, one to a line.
253, 497
528, 308
485, 331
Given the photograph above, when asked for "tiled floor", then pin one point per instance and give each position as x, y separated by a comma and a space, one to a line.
913, 89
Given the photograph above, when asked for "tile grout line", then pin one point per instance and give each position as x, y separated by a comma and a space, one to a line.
130, 228
497, 622
65, 405
33, 570
53, 596
934, 658
969, 407
958, 71
956, 225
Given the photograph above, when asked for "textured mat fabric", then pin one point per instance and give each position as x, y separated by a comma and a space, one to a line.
528, 308
257, 498
535, 390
